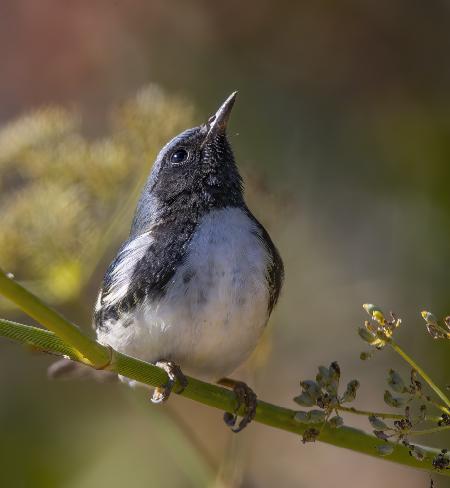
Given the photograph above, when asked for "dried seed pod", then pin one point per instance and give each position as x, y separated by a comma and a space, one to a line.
377, 423
311, 388
444, 420
323, 376
396, 382
381, 435
317, 416
367, 336
434, 328
302, 417
336, 421
392, 401
365, 355
305, 400
375, 312
416, 452
335, 375
310, 435
385, 449
441, 461
350, 392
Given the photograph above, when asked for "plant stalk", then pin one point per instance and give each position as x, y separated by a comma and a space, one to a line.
424, 375
434, 430
381, 415
221, 398
85, 350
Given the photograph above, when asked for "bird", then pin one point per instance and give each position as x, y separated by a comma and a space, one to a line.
192, 288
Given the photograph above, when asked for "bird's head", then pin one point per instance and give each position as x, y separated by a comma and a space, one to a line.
194, 172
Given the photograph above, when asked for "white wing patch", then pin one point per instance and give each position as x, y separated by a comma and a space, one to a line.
123, 271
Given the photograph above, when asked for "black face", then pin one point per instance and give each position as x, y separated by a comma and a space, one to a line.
193, 174
197, 170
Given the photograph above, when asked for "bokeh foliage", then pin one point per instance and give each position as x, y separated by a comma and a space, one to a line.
64, 196
343, 121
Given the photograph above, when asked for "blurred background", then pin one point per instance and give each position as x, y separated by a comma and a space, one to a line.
342, 133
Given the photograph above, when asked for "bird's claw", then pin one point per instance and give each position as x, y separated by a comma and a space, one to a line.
244, 396
161, 394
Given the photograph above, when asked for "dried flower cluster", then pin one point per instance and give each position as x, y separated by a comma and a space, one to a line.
324, 394
412, 396
436, 329
379, 333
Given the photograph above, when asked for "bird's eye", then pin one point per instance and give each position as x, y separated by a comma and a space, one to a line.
179, 156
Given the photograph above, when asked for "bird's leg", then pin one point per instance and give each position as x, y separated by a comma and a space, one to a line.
244, 396
161, 394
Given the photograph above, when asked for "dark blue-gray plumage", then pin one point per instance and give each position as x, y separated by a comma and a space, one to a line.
198, 277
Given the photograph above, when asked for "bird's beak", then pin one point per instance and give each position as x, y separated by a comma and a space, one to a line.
218, 122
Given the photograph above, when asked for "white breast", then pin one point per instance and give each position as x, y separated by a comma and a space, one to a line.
215, 307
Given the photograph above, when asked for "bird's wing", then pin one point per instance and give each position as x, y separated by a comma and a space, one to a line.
275, 267
142, 269
119, 278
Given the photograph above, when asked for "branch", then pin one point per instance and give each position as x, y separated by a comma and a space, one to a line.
66, 339
424, 375
218, 397
86, 350
381, 415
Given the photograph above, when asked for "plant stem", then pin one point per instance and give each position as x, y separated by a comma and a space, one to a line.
221, 398
381, 415
433, 430
85, 349
422, 373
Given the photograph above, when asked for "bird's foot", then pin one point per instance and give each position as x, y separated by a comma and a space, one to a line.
244, 396
161, 394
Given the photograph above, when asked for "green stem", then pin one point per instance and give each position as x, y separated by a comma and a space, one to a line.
422, 373
381, 415
436, 404
85, 349
433, 430
221, 398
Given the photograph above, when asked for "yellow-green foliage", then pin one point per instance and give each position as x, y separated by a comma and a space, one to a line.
64, 197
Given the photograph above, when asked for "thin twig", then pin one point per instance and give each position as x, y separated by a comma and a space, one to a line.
222, 398
433, 430
85, 349
381, 415
424, 375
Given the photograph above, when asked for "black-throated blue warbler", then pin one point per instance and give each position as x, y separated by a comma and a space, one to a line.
193, 286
